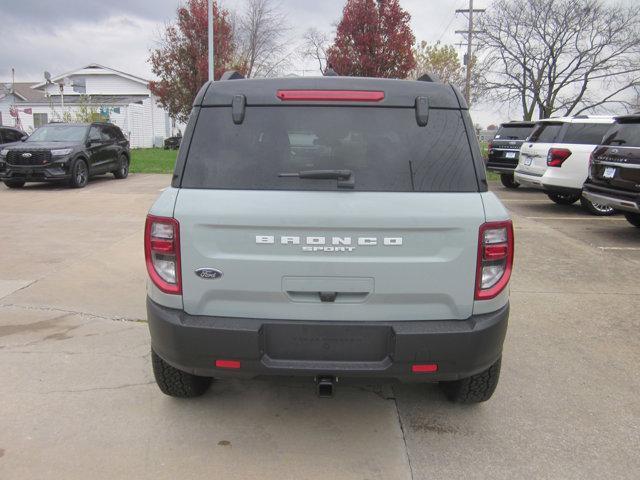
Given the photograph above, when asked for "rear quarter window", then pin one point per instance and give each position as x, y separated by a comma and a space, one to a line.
585, 133
545, 132
384, 148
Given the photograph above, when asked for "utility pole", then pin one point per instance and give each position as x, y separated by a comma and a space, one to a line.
468, 58
211, 45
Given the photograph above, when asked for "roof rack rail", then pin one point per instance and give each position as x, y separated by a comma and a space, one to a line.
429, 77
232, 75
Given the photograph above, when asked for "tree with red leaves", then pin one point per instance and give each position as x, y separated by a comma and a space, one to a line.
373, 39
181, 59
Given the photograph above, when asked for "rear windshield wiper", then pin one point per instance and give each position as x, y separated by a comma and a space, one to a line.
345, 178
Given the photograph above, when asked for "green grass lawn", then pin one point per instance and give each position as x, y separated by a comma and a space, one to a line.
152, 160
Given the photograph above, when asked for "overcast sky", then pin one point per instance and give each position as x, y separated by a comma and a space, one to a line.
62, 35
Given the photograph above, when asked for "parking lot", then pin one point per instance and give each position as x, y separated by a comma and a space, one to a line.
79, 400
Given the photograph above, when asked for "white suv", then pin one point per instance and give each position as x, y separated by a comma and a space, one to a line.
555, 158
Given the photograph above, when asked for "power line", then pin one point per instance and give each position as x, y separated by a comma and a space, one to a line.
468, 58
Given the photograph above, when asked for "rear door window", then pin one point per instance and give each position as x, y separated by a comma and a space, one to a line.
623, 134
585, 133
545, 132
384, 148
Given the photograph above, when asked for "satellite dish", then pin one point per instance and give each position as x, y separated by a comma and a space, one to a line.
47, 76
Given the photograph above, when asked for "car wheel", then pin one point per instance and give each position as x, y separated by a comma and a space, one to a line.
79, 174
123, 171
596, 208
508, 180
563, 198
14, 183
475, 389
633, 218
176, 383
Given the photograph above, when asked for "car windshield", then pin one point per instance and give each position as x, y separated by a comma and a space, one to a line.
513, 132
59, 133
625, 134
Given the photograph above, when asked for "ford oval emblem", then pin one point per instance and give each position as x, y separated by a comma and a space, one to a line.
26, 155
209, 273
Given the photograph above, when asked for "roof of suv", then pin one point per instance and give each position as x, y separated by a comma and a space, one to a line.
633, 118
397, 93
518, 123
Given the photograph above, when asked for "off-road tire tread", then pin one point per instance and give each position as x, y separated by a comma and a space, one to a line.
176, 383
475, 389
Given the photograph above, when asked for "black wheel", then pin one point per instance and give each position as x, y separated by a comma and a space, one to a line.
475, 389
176, 383
596, 208
79, 174
633, 218
123, 171
563, 198
508, 180
14, 183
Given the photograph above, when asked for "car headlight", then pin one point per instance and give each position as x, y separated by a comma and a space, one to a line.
60, 152
4, 152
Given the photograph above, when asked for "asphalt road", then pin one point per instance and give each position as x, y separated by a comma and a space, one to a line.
79, 401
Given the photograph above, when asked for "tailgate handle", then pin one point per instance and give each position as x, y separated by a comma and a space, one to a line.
328, 297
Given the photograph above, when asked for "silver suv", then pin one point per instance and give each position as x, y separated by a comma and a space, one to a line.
331, 228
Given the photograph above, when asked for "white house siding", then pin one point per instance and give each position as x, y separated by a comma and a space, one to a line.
99, 83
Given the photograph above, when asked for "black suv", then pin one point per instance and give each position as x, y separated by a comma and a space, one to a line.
11, 135
504, 150
67, 152
614, 172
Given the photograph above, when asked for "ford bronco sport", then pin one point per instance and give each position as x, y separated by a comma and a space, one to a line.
331, 228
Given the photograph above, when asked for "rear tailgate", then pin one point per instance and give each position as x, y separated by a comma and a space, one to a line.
533, 158
387, 256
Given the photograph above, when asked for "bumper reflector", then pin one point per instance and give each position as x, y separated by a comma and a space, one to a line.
424, 368
235, 364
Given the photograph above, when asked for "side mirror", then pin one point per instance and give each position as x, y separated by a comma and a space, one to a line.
24, 138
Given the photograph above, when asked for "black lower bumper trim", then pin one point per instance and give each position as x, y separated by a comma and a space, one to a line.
371, 349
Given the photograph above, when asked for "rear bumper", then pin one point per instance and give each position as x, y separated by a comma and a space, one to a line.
384, 350
618, 199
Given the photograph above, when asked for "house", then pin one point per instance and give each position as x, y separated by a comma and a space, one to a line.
120, 97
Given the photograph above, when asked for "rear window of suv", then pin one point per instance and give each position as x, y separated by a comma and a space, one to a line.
623, 134
512, 132
384, 148
585, 133
545, 132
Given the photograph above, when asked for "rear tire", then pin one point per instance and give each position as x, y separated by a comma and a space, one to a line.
79, 174
508, 181
475, 389
563, 198
176, 383
123, 171
596, 209
633, 218
14, 183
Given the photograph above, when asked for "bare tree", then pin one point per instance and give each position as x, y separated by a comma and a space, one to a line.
261, 31
560, 57
315, 46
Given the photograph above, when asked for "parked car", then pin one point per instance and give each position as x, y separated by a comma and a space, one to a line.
504, 150
614, 175
172, 143
329, 228
66, 152
11, 135
555, 158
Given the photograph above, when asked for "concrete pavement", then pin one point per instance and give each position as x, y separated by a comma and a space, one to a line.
79, 400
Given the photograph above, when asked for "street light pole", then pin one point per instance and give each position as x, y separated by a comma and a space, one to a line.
211, 45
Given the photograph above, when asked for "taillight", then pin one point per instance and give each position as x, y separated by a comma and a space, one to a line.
495, 259
557, 156
162, 253
490, 146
